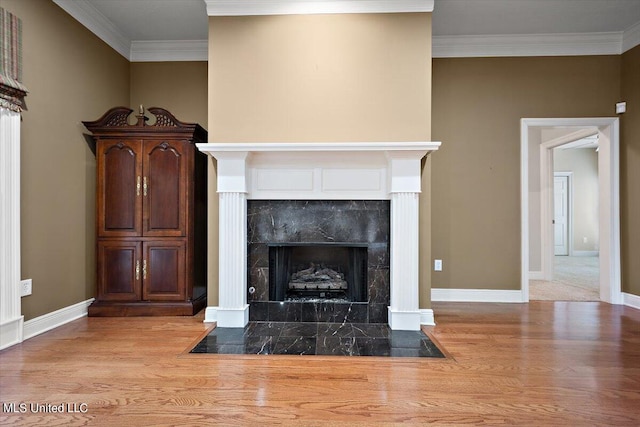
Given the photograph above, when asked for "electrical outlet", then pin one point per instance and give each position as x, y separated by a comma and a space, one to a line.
437, 265
25, 287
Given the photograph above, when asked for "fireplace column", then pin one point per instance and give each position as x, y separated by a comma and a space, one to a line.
404, 171
233, 310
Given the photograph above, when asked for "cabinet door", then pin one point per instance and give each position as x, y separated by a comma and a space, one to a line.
164, 268
119, 166
119, 270
165, 188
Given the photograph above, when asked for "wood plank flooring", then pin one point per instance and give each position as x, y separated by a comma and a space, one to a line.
542, 363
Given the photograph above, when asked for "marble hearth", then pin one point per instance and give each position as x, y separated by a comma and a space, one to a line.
388, 172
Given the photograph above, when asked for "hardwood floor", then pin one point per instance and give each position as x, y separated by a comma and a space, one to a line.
542, 363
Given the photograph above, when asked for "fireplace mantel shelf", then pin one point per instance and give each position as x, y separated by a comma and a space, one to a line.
425, 146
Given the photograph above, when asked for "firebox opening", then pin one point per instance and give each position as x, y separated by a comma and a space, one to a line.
312, 271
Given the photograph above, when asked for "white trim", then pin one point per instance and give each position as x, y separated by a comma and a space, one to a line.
536, 275
524, 211
260, 147
476, 295
569, 44
169, 50
10, 306
404, 320
631, 300
586, 253
233, 317
85, 13
609, 185
426, 317
306, 7
55, 319
631, 37
571, 137
210, 315
11, 332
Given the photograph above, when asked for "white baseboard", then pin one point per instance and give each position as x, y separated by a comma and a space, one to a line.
11, 332
586, 253
476, 295
210, 314
426, 317
57, 318
631, 300
536, 275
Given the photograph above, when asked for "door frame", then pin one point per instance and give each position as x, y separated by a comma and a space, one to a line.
609, 200
569, 176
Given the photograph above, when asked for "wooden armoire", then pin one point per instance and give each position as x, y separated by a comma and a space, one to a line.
151, 220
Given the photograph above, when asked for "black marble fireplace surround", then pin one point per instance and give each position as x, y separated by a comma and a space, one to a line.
321, 223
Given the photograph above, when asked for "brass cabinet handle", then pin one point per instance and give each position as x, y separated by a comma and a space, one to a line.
138, 270
144, 185
138, 186
144, 269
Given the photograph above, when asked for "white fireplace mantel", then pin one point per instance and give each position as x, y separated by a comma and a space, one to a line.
319, 171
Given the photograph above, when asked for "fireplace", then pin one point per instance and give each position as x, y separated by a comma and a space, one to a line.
316, 173
327, 259
318, 271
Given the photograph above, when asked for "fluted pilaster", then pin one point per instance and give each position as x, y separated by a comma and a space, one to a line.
233, 310
404, 312
11, 320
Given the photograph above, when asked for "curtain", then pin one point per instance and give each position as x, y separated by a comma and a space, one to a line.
12, 91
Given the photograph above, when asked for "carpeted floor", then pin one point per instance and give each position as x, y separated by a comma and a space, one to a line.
575, 279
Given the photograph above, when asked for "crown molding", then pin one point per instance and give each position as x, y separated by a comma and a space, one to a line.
306, 7
570, 44
169, 50
631, 37
83, 12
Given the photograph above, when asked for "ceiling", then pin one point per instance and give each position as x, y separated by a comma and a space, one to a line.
146, 30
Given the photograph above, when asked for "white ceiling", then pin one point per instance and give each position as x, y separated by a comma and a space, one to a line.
147, 30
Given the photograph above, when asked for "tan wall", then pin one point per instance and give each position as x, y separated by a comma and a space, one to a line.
477, 107
71, 76
322, 78
583, 163
180, 87
630, 172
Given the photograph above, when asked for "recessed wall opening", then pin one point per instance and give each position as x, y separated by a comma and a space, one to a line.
318, 271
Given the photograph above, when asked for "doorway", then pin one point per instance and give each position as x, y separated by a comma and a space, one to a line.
574, 273
537, 226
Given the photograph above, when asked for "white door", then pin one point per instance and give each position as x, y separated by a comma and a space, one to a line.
561, 214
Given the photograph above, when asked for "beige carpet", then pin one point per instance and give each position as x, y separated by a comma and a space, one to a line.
575, 279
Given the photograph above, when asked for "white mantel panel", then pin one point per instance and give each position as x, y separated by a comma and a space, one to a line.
405, 171
232, 171
281, 180
351, 180
317, 184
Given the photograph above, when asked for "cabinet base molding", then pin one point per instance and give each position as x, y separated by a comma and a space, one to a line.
145, 308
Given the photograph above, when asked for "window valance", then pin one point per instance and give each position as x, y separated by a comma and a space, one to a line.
12, 91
